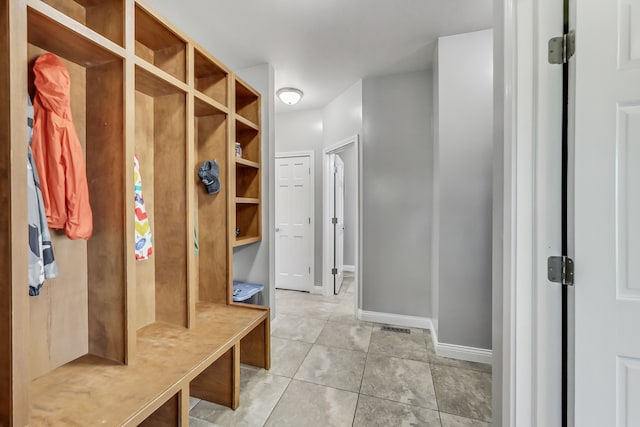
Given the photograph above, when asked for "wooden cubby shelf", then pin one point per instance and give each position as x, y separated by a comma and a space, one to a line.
161, 145
113, 340
247, 102
247, 200
240, 162
74, 45
248, 188
247, 182
205, 106
249, 139
159, 45
105, 17
211, 78
241, 241
89, 314
248, 221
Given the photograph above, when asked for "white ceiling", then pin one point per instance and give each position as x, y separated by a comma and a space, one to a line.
324, 46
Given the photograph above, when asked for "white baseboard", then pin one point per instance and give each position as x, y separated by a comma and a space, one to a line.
452, 351
349, 268
395, 319
460, 352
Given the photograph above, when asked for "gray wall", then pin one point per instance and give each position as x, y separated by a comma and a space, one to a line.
256, 263
342, 117
435, 220
302, 131
465, 165
397, 204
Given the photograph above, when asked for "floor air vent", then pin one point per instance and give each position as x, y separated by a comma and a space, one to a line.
394, 329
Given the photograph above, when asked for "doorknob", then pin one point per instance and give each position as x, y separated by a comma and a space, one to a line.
277, 229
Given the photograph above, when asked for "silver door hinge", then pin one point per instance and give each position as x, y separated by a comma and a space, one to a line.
334, 271
562, 48
334, 220
560, 270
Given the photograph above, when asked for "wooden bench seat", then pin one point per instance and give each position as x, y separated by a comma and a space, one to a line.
171, 363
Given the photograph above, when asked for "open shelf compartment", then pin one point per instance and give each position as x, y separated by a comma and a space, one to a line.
211, 133
51, 36
83, 310
247, 103
157, 44
249, 139
161, 146
105, 17
248, 222
210, 78
247, 182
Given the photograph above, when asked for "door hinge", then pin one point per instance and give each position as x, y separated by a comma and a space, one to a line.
309, 269
309, 220
334, 271
562, 48
334, 220
560, 270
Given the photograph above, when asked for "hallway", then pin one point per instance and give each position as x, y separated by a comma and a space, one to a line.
329, 369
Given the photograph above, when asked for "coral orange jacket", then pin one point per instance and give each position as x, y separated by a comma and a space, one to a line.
57, 151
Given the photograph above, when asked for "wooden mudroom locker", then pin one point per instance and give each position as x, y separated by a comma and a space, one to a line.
113, 340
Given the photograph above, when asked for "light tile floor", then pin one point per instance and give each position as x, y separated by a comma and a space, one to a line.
330, 369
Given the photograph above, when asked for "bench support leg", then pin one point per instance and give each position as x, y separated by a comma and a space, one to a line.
167, 415
184, 407
256, 346
220, 382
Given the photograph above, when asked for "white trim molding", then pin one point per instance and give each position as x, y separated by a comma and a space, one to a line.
304, 153
461, 352
354, 141
453, 351
395, 319
349, 268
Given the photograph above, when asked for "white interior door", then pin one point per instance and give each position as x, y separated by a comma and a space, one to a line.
294, 244
606, 69
338, 247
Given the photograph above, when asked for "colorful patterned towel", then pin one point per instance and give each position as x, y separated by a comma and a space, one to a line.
144, 246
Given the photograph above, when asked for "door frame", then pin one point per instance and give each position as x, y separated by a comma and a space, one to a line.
327, 232
337, 159
312, 207
520, 374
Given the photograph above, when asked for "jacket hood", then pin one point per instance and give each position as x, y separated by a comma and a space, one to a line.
53, 83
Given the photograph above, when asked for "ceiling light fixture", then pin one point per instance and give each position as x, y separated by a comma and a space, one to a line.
289, 95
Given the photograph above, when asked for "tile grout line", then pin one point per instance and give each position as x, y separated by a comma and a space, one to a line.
278, 402
303, 359
467, 418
